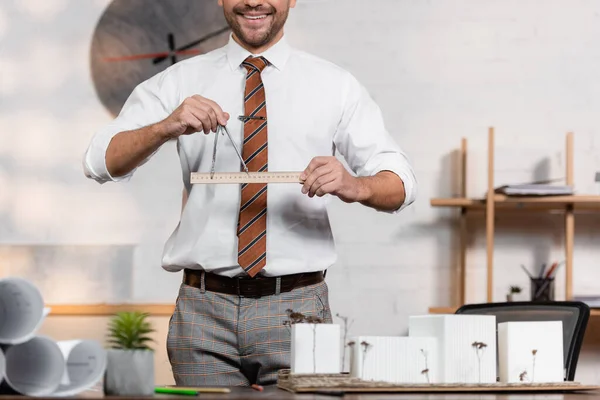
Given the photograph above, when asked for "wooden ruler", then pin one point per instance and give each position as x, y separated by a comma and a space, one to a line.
245, 177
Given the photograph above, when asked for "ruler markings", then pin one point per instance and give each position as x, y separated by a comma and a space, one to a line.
243, 177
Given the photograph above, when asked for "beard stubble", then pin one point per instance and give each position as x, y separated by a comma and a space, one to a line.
251, 37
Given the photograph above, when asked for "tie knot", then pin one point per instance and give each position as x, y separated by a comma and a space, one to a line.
255, 63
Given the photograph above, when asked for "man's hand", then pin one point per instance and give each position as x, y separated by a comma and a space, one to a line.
327, 175
128, 149
194, 114
382, 191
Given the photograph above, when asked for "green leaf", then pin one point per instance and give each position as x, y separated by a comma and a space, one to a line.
129, 330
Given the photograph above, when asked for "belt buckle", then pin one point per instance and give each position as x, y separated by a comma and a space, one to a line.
251, 285
254, 289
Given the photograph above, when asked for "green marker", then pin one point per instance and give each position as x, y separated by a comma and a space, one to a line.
171, 390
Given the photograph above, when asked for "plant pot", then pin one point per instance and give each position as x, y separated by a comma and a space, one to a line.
129, 373
509, 297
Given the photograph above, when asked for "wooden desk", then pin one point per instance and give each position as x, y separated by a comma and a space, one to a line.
275, 393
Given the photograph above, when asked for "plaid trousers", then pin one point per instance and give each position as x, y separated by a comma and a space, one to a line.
217, 339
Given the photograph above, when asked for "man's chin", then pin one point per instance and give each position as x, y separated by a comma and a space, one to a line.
255, 39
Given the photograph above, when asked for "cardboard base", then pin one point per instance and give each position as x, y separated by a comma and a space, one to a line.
311, 383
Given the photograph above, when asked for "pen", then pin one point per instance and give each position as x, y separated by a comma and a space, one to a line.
542, 271
557, 267
551, 270
527, 272
201, 389
188, 392
542, 288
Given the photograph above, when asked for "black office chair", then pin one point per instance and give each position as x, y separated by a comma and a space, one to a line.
573, 314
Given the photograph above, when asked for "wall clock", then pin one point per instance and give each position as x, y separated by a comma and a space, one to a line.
135, 39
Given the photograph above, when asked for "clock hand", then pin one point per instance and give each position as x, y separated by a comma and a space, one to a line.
158, 57
193, 44
171, 40
152, 55
205, 38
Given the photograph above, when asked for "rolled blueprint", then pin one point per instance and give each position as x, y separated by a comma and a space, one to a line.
43, 367
2, 366
21, 310
35, 365
85, 365
34, 368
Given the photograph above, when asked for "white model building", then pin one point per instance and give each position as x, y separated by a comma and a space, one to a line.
466, 351
530, 352
315, 348
394, 359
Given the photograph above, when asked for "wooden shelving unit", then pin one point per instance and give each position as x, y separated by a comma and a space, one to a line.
496, 203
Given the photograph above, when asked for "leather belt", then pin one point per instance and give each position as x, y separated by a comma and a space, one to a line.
250, 287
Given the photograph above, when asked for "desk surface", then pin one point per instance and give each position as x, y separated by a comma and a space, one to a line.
275, 393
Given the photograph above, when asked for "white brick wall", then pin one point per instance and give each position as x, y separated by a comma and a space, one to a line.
439, 69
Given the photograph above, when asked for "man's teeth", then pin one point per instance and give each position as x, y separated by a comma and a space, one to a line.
255, 16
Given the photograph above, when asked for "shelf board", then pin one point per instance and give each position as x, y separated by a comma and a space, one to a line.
442, 310
98, 310
594, 312
579, 202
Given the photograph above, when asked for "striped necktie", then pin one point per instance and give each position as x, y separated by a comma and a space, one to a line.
252, 223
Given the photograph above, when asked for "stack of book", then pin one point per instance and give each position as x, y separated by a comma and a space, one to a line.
591, 301
535, 189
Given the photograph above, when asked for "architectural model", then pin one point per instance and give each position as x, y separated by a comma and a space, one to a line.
466, 351
394, 359
530, 352
315, 348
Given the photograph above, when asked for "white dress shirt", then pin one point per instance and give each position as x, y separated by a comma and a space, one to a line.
313, 108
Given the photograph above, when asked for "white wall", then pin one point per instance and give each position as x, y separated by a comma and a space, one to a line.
51, 217
439, 69
443, 70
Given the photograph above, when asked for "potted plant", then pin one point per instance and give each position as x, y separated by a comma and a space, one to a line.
130, 360
513, 290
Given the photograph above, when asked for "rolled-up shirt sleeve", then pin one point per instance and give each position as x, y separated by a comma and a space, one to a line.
147, 104
366, 145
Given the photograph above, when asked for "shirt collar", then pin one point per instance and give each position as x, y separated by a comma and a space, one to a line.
277, 54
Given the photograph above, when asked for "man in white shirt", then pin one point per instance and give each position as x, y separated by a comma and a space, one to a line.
252, 252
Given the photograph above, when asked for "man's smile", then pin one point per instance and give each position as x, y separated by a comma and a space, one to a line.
255, 19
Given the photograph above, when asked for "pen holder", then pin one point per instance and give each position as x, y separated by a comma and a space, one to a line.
542, 289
